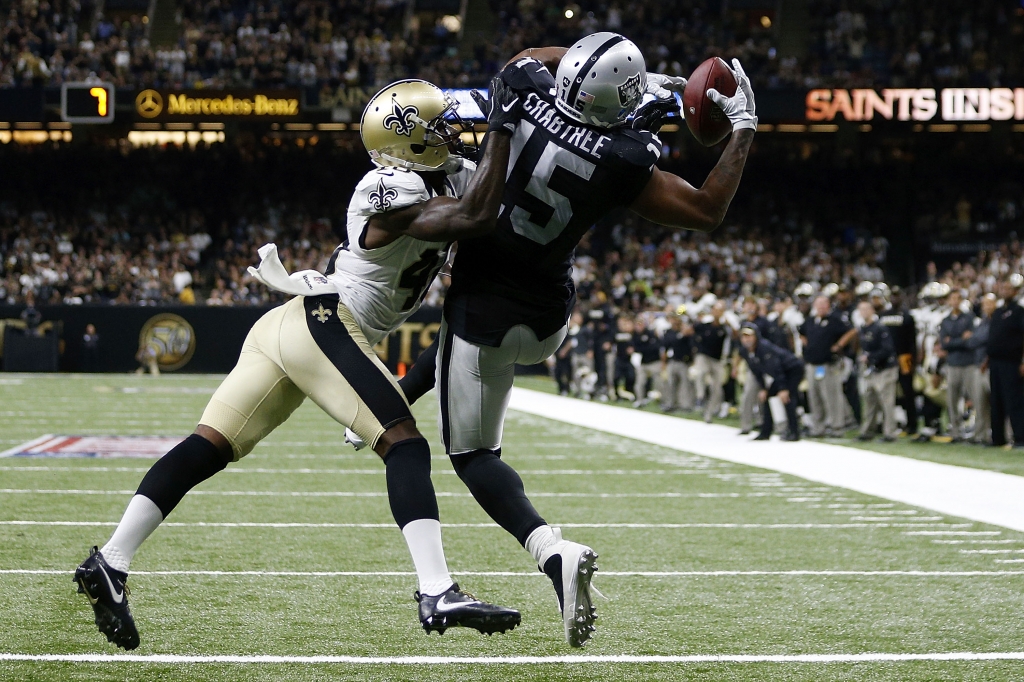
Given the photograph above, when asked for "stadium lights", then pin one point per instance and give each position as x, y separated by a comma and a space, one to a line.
569, 13
452, 23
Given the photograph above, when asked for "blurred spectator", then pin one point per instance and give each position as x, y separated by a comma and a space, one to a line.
983, 391
878, 362
955, 334
711, 339
751, 386
678, 392
820, 335
1006, 363
648, 370
779, 372
90, 349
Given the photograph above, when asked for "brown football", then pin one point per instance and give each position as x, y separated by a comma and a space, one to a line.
704, 118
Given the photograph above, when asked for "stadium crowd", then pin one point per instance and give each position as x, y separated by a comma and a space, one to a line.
316, 44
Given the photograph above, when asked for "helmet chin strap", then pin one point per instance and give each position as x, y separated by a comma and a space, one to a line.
453, 164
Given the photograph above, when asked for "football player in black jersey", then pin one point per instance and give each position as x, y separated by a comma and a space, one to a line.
583, 147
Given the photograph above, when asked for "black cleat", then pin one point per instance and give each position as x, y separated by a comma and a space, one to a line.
455, 608
108, 595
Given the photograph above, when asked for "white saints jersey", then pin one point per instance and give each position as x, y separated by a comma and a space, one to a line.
927, 318
384, 286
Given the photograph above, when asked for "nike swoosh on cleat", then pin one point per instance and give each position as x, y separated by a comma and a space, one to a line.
444, 606
118, 596
85, 589
511, 104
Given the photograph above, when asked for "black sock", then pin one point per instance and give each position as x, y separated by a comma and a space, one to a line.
188, 464
420, 377
499, 490
410, 491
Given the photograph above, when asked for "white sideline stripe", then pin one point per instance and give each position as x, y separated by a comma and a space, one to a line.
976, 542
535, 574
954, 532
284, 524
979, 495
516, 660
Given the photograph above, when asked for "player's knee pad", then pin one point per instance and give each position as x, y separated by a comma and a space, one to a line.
410, 491
188, 464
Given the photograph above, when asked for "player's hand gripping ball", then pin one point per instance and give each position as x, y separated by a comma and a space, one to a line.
718, 100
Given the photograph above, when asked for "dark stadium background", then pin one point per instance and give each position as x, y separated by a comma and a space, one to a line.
106, 215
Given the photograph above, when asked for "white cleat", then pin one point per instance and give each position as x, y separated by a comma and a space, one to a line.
354, 440
575, 570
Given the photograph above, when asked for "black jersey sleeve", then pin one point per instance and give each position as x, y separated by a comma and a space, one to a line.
529, 75
633, 157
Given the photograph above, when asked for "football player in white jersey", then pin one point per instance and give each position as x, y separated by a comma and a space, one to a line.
401, 219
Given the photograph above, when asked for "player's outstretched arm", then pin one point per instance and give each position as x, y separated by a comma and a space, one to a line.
668, 199
476, 212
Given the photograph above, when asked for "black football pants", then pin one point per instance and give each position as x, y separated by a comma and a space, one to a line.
1007, 401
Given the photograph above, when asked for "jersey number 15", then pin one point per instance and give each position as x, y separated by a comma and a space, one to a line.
543, 207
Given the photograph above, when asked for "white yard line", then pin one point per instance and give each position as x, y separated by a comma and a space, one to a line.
176, 659
664, 526
536, 574
979, 495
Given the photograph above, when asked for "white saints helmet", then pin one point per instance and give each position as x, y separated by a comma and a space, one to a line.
933, 291
600, 80
407, 125
805, 290
864, 288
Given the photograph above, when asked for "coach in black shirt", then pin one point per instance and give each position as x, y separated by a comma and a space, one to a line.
904, 337
710, 338
821, 334
765, 359
1006, 364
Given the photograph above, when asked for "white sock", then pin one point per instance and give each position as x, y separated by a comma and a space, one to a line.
538, 543
424, 539
140, 519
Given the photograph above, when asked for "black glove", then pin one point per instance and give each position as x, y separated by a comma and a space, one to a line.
652, 115
503, 109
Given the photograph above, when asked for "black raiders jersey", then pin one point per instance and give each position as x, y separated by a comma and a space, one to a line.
562, 178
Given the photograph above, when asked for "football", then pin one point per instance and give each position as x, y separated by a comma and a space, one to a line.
704, 118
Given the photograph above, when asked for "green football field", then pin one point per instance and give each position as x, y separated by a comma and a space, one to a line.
292, 552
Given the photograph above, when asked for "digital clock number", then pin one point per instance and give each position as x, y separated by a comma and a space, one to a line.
87, 102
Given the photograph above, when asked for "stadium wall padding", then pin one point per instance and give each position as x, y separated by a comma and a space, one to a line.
218, 331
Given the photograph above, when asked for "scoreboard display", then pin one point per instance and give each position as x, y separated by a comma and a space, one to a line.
87, 102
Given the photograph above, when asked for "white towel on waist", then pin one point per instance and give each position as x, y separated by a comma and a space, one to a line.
273, 273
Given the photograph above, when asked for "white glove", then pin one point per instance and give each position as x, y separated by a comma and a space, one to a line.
740, 107
662, 86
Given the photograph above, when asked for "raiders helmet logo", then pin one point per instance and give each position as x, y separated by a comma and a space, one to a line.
629, 92
400, 118
382, 197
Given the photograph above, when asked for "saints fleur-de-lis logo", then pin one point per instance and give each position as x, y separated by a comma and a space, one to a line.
321, 313
382, 197
400, 118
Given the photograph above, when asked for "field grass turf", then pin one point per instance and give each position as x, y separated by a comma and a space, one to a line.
755, 521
